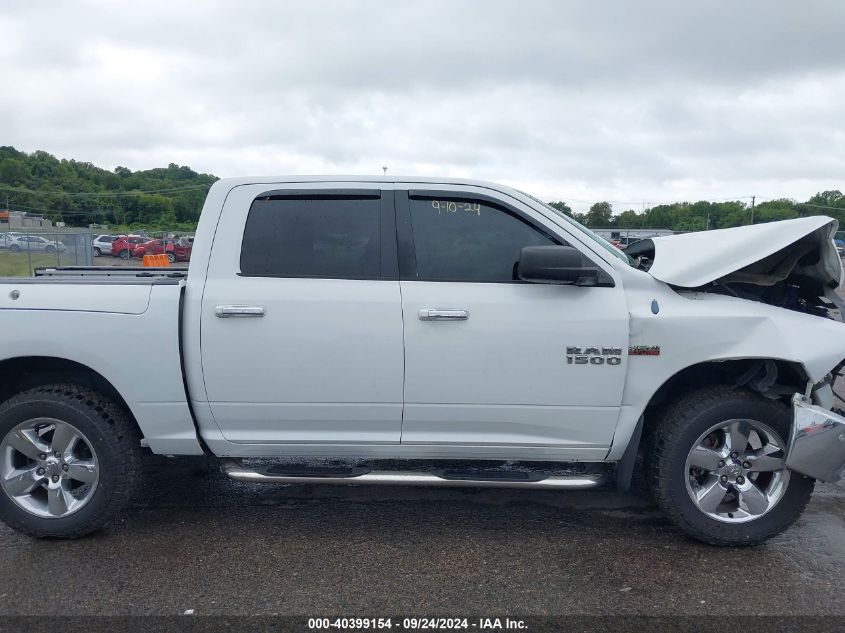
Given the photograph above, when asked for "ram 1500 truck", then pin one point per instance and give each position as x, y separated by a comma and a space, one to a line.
463, 329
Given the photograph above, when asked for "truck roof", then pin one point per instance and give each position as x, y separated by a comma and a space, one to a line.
229, 183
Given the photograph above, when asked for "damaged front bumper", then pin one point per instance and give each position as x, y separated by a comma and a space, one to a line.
817, 442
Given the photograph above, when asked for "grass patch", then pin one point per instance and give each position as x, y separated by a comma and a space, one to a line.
17, 264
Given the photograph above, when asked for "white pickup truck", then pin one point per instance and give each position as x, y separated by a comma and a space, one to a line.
463, 329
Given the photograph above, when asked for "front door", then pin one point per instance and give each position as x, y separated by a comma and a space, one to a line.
301, 317
492, 361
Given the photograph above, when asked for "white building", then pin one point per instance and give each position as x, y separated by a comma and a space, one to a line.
22, 220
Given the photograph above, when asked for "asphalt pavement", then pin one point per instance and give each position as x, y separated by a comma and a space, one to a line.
197, 541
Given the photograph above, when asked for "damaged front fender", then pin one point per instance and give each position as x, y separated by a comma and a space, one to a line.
817, 441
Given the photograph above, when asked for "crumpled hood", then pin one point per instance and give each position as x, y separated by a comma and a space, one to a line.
761, 254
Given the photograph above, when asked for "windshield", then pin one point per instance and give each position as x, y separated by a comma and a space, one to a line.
596, 238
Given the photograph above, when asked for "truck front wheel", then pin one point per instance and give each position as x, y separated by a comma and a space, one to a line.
717, 467
69, 461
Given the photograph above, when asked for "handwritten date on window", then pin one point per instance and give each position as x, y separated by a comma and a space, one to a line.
451, 206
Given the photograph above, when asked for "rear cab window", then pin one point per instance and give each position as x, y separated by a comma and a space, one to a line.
321, 234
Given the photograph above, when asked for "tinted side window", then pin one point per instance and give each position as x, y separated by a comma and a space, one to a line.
467, 240
313, 237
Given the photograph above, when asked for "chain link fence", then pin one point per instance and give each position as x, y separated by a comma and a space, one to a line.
24, 250
629, 236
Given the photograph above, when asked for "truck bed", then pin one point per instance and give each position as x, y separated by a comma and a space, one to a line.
121, 323
119, 273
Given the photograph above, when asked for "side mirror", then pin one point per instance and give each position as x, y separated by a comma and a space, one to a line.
558, 265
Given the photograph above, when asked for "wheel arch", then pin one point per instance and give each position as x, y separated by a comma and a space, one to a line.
27, 372
771, 377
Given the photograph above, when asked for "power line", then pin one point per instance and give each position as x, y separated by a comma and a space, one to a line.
103, 193
815, 206
655, 202
820, 206
15, 205
731, 199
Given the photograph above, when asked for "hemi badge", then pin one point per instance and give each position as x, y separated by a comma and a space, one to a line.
644, 350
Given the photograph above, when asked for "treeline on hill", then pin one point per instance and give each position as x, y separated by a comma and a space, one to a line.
173, 197
695, 216
41, 183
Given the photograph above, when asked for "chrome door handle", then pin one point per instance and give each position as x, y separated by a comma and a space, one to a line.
430, 314
228, 312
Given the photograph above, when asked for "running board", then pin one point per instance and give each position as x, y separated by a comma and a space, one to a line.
448, 478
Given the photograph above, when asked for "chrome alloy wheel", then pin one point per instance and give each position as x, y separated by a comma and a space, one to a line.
48, 467
736, 472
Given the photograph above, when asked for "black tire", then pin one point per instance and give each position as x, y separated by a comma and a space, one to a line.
115, 439
15, 248
171, 258
50, 248
125, 255
97, 252
677, 429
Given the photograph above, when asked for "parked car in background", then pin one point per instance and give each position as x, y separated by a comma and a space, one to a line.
182, 249
126, 246
35, 243
102, 244
156, 247
8, 238
176, 249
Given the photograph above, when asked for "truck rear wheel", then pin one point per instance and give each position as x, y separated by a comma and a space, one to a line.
69, 461
717, 467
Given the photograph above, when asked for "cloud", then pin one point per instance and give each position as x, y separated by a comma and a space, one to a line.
633, 102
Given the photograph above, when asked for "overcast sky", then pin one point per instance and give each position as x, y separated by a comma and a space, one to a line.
581, 101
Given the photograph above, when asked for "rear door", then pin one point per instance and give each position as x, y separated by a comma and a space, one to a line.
493, 361
301, 326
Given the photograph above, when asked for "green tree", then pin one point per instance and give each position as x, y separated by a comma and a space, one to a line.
774, 210
37, 183
14, 172
629, 219
600, 215
562, 207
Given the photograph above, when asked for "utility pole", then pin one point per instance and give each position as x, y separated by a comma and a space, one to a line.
385, 170
753, 198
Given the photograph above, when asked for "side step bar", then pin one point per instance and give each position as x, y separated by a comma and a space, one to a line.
448, 478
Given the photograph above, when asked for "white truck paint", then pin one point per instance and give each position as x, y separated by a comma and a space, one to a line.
692, 260
402, 367
125, 331
469, 390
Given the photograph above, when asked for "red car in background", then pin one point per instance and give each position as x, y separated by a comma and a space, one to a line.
154, 247
126, 246
177, 250
182, 249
